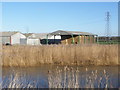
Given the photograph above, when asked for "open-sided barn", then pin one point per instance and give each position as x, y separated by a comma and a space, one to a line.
75, 37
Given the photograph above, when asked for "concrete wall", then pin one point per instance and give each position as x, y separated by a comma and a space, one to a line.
15, 39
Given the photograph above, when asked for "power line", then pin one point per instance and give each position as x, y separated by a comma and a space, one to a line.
107, 29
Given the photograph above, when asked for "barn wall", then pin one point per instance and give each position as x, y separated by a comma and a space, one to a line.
15, 39
83, 39
56, 37
33, 41
50, 41
5, 40
63, 37
23, 41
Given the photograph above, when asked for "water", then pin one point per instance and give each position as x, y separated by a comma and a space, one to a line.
53, 76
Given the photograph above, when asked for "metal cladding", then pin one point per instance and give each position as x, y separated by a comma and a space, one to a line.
57, 37
75, 37
61, 32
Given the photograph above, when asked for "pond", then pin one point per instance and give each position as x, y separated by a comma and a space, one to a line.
52, 76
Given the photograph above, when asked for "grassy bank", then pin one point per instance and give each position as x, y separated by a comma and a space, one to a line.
92, 54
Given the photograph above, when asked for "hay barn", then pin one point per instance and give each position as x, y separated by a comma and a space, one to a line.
75, 37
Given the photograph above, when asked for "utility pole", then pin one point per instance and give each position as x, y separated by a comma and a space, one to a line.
107, 26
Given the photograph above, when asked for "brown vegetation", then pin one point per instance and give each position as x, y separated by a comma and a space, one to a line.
66, 77
92, 54
71, 78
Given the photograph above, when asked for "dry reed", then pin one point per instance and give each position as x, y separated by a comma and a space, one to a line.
91, 54
71, 78
68, 77
14, 81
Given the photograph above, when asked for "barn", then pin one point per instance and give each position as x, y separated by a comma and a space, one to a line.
11, 37
47, 38
31, 39
43, 36
74, 37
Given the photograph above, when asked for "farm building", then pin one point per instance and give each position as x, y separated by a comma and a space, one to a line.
43, 36
12, 37
74, 37
38, 38
30, 39
47, 38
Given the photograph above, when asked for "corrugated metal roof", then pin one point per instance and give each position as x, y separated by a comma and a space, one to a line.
61, 32
8, 34
39, 35
28, 34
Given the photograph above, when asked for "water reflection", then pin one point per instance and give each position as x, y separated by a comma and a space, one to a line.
60, 77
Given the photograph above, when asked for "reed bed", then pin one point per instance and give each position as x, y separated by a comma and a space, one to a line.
86, 54
16, 80
71, 78
68, 77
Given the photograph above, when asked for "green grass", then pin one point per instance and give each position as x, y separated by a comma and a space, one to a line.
108, 42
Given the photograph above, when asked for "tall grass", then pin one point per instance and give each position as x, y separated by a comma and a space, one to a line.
68, 77
16, 80
71, 78
91, 54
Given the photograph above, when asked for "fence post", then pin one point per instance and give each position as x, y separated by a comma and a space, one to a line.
84, 40
89, 38
47, 39
54, 39
79, 39
72, 39
93, 41
97, 38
